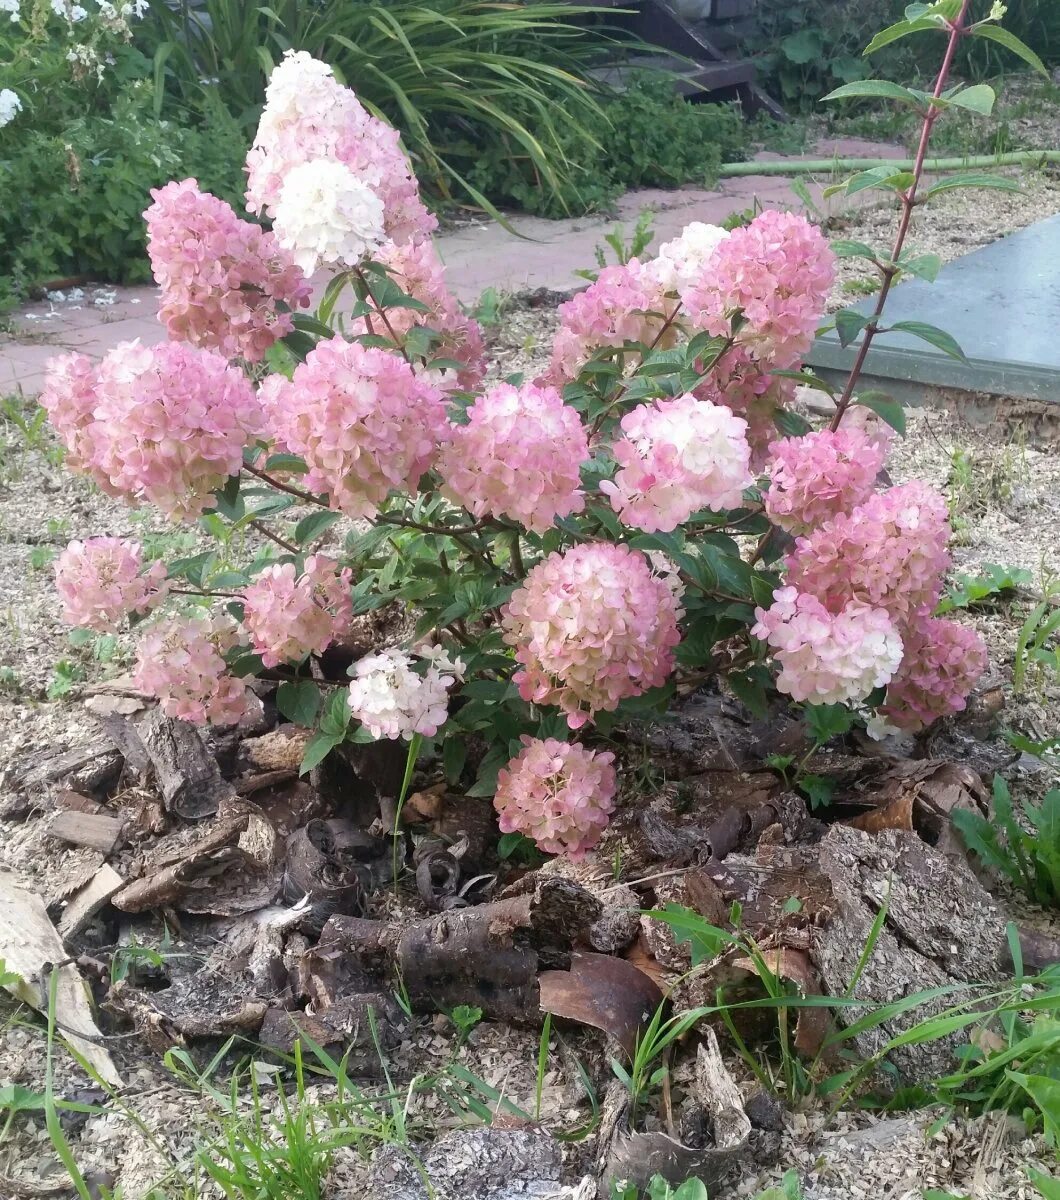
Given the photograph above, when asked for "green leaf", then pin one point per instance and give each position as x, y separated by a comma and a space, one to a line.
1046, 1184
847, 249
979, 99
1006, 38
802, 47
749, 687
951, 183
885, 407
925, 266
876, 89
901, 29
228, 501
995, 580
454, 755
791, 424
299, 701
310, 528
818, 789
290, 463
849, 323
936, 337
691, 1189
883, 176
335, 719
319, 747
826, 721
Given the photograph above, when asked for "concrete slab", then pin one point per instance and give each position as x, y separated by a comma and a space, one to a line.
1001, 303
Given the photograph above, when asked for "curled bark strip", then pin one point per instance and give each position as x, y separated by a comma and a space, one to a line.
607, 993
438, 880
898, 814
638, 1157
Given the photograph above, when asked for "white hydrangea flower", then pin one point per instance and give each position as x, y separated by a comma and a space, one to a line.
69, 12
10, 106
14, 9
392, 700
680, 262
327, 216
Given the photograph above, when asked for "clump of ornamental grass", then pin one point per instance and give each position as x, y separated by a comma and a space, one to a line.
570, 548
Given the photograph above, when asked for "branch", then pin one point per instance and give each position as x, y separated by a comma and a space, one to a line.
308, 497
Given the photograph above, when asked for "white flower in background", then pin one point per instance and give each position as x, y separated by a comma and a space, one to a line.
680, 262
392, 700
327, 216
13, 9
10, 106
70, 12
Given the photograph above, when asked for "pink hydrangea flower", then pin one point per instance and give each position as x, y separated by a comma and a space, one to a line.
391, 700
942, 664
309, 115
227, 285
777, 271
361, 419
288, 615
416, 268
69, 399
676, 457
560, 794
180, 660
685, 259
591, 626
890, 552
739, 382
623, 305
519, 456
169, 426
102, 579
828, 658
819, 475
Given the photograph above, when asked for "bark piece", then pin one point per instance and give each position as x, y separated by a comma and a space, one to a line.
77, 802
89, 900
85, 768
324, 872
28, 945
203, 1005
125, 734
605, 992
96, 831
811, 1024
281, 750
186, 772
638, 1157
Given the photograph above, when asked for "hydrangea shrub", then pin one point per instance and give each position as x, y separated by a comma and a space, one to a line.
565, 550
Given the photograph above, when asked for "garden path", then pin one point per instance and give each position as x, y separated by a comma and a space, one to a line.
479, 255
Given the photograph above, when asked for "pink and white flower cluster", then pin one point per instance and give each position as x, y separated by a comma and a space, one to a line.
777, 272
392, 700
943, 662
361, 418
591, 626
519, 456
559, 794
819, 476
102, 580
309, 121
288, 615
165, 424
181, 660
227, 285
676, 457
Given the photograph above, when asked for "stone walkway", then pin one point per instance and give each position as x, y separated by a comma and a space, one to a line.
477, 256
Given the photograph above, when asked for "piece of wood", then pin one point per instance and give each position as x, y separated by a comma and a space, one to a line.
89, 900
28, 944
186, 772
96, 831
83, 768
78, 802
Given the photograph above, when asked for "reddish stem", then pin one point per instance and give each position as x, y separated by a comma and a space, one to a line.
308, 497
890, 270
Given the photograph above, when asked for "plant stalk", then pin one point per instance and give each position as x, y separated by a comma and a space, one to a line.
1014, 158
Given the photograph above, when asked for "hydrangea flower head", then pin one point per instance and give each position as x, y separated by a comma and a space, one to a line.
308, 116
10, 103
622, 305
519, 456
102, 579
326, 216
181, 661
942, 664
828, 658
69, 399
288, 615
591, 626
819, 475
676, 457
391, 700
362, 420
227, 285
169, 425
560, 794
889, 552
777, 271
684, 260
